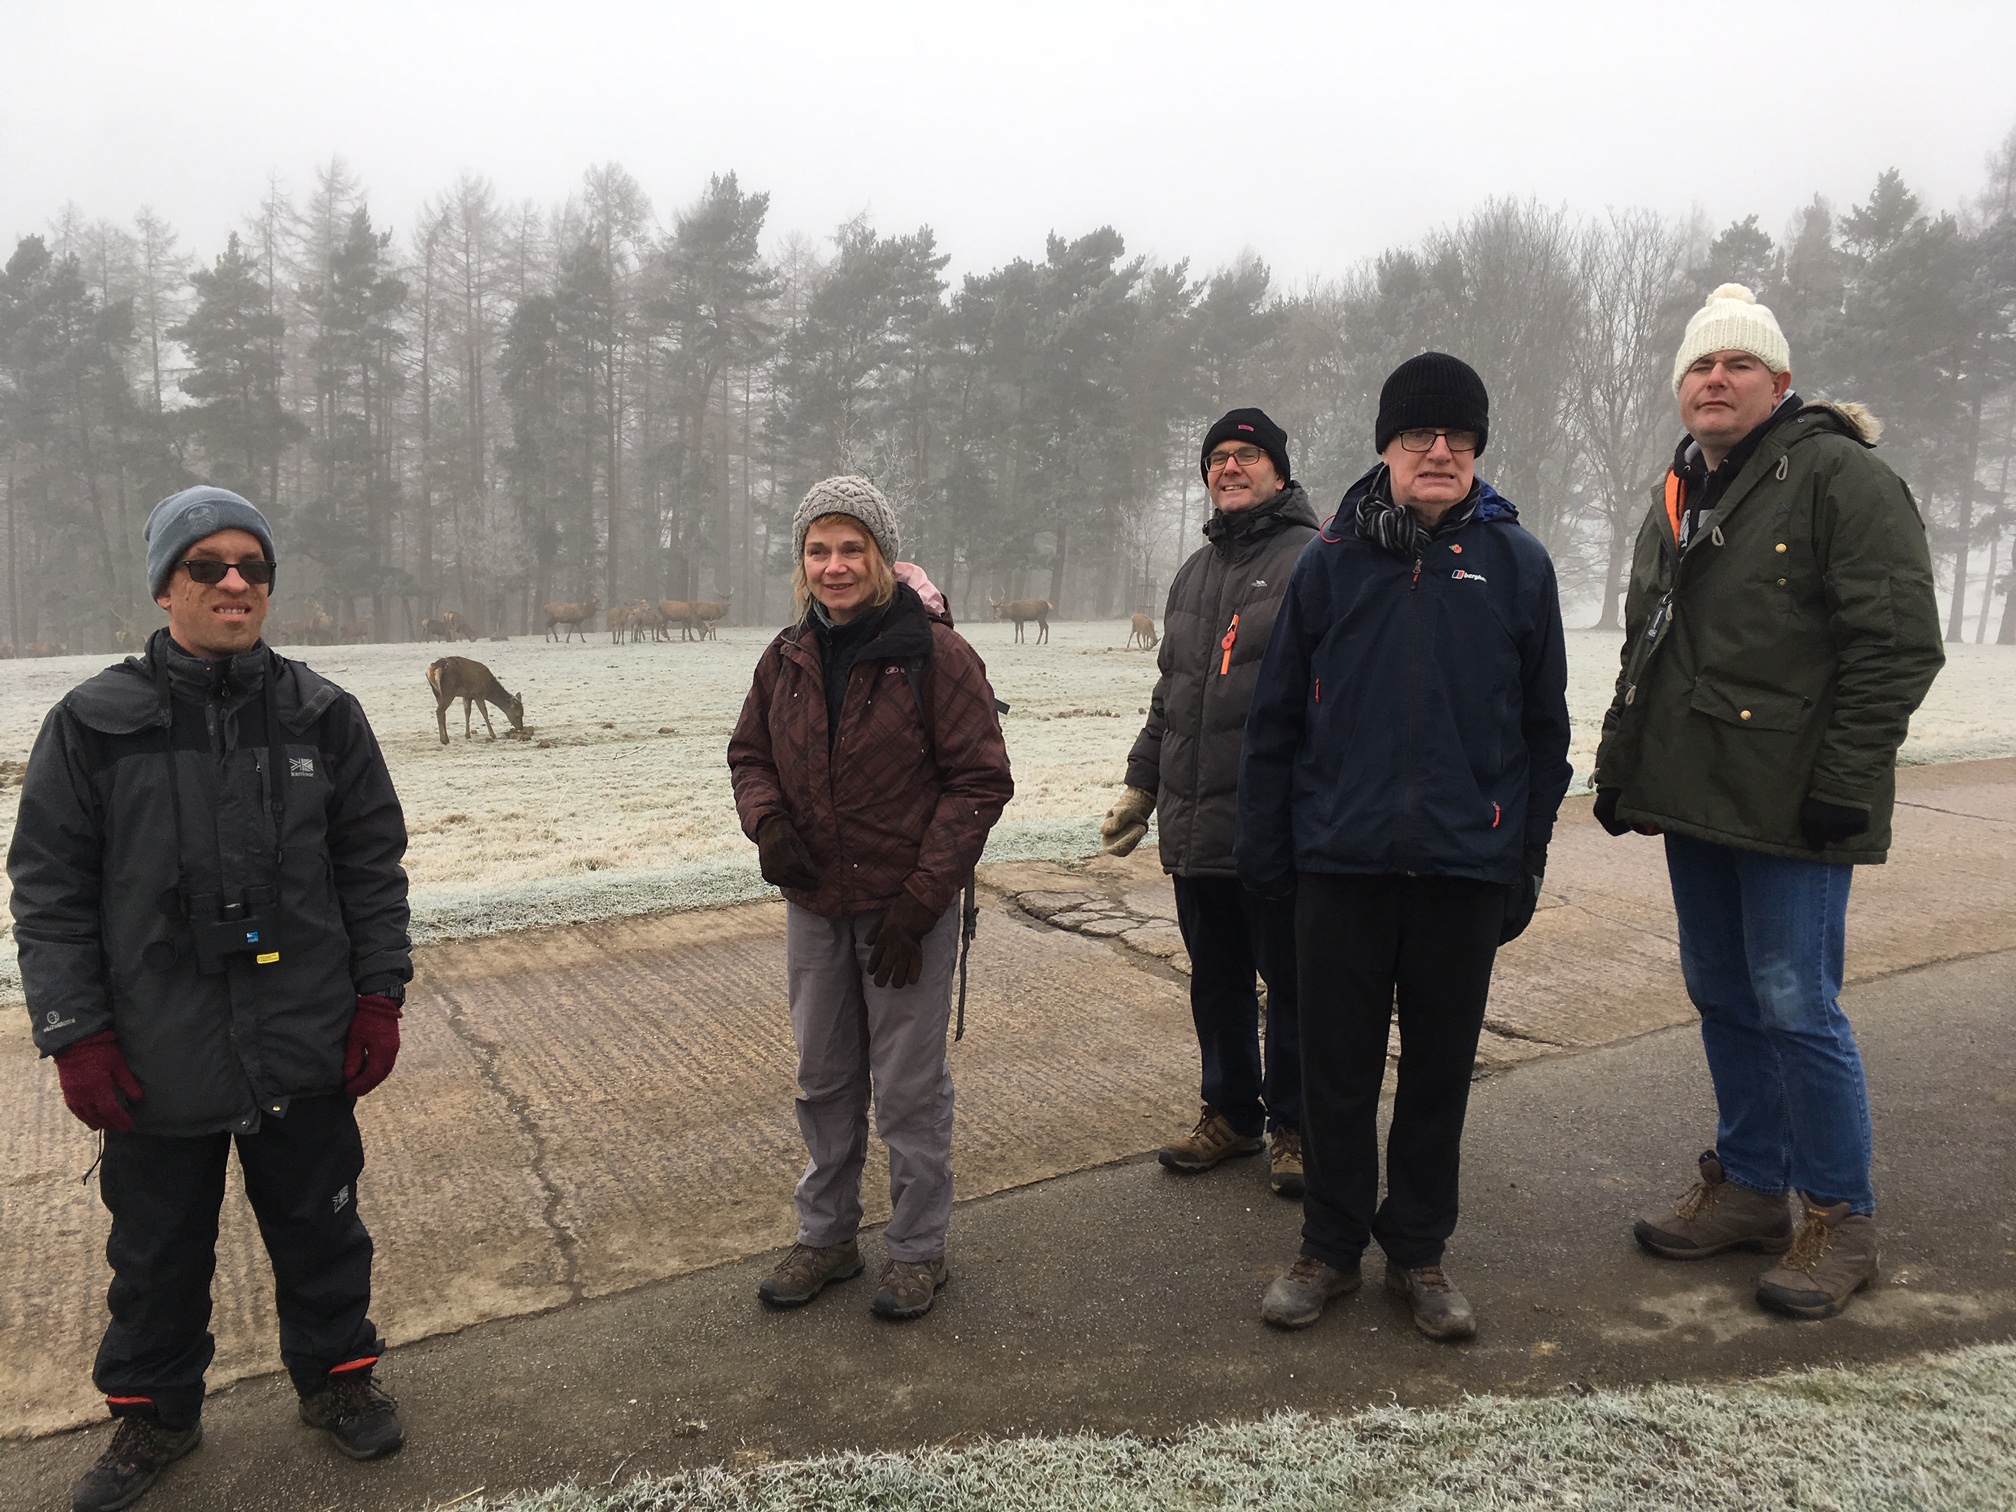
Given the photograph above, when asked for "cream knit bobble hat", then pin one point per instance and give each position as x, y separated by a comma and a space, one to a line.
1733, 321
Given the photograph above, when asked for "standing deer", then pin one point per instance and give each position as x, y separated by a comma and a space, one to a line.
454, 677
573, 616
448, 626
679, 612
1143, 631
1020, 610
704, 614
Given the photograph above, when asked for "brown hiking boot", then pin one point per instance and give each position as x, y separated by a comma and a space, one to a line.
1284, 1158
1440, 1311
807, 1271
1214, 1139
908, 1288
1298, 1296
140, 1450
1832, 1257
1716, 1215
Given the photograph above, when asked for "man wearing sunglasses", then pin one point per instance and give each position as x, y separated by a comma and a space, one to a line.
1186, 763
212, 920
1405, 757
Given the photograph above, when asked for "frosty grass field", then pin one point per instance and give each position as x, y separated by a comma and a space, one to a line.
620, 802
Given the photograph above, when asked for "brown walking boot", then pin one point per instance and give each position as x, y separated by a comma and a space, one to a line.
1299, 1295
1284, 1172
808, 1270
140, 1450
1213, 1140
908, 1288
1832, 1257
1716, 1215
1440, 1310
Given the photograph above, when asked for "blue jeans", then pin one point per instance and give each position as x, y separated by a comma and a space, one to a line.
1760, 945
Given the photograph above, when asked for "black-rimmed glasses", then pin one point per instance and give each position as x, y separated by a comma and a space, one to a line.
1423, 439
1245, 456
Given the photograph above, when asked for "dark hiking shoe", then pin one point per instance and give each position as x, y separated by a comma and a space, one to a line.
357, 1413
908, 1288
1440, 1311
1298, 1296
1833, 1256
140, 1449
1716, 1215
1214, 1139
807, 1271
1284, 1163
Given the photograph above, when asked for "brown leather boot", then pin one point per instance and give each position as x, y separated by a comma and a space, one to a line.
1284, 1163
1832, 1257
908, 1288
1716, 1215
1214, 1139
808, 1270
1440, 1310
1298, 1296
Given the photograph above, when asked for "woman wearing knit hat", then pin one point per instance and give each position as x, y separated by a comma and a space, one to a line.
1405, 756
868, 766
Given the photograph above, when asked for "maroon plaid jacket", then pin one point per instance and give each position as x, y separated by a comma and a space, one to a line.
894, 805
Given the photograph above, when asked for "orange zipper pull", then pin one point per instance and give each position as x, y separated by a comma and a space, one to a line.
1231, 635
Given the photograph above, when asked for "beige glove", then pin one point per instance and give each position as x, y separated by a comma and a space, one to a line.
1126, 822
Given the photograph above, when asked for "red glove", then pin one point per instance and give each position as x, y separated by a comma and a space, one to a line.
374, 1043
93, 1074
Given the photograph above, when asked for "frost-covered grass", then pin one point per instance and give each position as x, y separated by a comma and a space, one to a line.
1937, 1433
621, 804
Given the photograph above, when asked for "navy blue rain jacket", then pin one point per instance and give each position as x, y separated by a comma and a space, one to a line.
1411, 716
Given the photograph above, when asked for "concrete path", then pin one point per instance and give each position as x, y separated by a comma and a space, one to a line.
1125, 1298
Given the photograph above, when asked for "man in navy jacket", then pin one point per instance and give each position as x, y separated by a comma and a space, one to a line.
1406, 753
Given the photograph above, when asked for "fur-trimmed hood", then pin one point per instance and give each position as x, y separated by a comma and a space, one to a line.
1857, 419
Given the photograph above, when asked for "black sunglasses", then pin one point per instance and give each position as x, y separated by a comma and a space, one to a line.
257, 573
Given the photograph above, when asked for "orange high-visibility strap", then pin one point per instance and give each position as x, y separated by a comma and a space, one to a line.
1231, 635
364, 1362
1673, 503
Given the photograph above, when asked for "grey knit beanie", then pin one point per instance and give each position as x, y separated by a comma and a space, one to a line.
181, 520
848, 495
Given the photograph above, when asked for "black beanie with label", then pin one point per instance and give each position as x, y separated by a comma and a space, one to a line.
1250, 425
1435, 390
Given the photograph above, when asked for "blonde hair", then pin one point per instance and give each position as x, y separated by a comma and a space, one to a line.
881, 576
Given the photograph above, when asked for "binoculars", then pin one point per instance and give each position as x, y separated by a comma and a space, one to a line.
222, 927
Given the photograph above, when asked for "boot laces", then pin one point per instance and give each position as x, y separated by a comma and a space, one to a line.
137, 1438
1307, 1268
1700, 1197
358, 1396
1430, 1278
1812, 1241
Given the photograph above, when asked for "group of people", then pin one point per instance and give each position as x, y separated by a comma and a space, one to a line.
1355, 757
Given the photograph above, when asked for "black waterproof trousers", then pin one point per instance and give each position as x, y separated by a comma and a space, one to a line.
1362, 944
165, 1193
1230, 935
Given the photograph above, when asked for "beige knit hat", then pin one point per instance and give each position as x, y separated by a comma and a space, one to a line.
852, 495
1733, 321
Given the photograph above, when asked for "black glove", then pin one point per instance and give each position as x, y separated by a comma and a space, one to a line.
1825, 823
782, 855
896, 944
1606, 811
1523, 896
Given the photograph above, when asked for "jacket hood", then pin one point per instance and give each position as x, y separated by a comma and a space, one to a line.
1855, 421
1491, 504
1288, 507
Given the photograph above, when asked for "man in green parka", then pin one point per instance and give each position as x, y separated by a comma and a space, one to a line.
1780, 628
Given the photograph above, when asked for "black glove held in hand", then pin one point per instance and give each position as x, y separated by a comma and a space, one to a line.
1523, 896
896, 947
783, 857
1606, 811
1825, 823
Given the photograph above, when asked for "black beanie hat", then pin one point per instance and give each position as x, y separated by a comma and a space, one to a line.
1248, 425
1433, 389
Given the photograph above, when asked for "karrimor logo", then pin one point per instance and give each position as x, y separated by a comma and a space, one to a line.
1475, 577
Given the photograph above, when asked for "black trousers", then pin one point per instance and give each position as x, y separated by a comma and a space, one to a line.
1364, 943
165, 1193
1231, 935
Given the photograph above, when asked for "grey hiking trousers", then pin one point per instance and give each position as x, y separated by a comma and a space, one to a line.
853, 1035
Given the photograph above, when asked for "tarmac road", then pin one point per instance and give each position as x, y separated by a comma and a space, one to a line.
1126, 1298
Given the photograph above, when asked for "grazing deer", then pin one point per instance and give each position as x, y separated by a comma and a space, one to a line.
704, 614
454, 677
573, 616
1143, 631
1020, 610
449, 626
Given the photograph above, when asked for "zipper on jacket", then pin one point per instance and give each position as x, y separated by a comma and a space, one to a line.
1231, 635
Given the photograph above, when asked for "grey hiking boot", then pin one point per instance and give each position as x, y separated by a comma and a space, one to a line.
140, 1449
1716, 1215
1284, 1163
807, 1271
1298, 1296
1832, 1257
1440, 1311
1214, 1139
908, 1288
357, 1413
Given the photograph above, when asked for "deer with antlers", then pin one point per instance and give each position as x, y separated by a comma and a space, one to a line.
454, 677
574, 616
1022, 610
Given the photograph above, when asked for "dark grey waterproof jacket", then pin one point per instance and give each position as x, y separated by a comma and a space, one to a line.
1214, 631
100, 875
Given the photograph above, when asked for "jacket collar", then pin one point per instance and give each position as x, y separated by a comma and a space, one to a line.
1492, 506
905, 630
1288, 507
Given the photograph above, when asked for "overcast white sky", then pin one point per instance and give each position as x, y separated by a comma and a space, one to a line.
1314, 134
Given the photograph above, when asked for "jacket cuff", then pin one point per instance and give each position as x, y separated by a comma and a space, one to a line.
1838, 798
1145, 776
